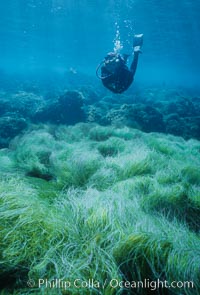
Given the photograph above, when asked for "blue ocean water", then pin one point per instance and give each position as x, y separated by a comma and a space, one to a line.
93, 184
55, 36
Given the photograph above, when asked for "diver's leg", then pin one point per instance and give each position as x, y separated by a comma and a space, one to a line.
134, 62
137, 44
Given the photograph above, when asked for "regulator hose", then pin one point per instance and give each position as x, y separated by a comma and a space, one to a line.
97, 72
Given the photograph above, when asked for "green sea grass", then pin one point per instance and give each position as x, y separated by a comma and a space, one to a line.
91, 202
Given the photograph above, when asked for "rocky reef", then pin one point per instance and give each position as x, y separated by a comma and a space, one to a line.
150, 110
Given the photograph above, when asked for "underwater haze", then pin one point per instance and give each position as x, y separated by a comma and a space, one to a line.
55, 35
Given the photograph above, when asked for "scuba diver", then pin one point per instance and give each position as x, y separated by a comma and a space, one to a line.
115, 74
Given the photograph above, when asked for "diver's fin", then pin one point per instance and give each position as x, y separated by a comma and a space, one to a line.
138, 40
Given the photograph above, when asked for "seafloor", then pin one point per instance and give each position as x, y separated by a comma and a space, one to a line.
99, 187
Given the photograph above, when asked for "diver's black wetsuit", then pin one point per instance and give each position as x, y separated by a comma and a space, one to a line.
121, 79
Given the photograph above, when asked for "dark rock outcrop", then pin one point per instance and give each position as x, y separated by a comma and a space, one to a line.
10, 126
68, 109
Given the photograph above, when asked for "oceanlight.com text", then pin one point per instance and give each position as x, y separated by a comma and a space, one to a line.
113, 284
151, 285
